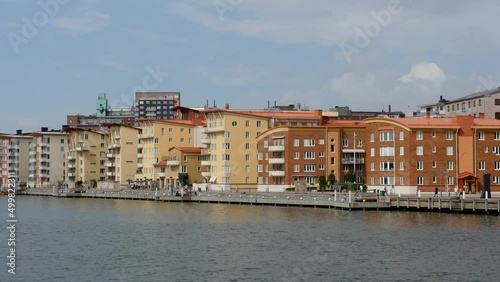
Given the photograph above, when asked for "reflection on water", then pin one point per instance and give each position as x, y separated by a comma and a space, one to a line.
111, 240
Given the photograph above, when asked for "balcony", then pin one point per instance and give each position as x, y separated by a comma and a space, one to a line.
214, 129
31, 175
109, 164
173, 163
71, 166
139, 156
117, 136
81, 148
205, 141
111, 156
146, 135
14, 147
109, 173
161, 174
139, 145
276, 160
278, 148
353, 161
114, 145
71, 174
277, 173
206, 163
139, 165
205, 152
206, 174
32, 153
70, 157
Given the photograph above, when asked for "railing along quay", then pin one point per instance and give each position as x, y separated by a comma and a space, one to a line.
474, 205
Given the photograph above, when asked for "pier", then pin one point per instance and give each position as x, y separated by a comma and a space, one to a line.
315, 200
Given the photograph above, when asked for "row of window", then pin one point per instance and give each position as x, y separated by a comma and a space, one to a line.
469, 105
389, 180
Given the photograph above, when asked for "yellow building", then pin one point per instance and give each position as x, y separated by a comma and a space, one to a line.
179, 163
122, 154
86, 156
230, 161
158, 137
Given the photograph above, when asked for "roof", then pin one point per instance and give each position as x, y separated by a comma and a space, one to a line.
475, 95
418, 122
486, 123
174, 121
70, 129
194, 150
110, 124
290, 115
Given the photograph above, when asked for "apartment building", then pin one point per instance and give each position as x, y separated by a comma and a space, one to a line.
158, 137
486, 102
15, 157
156, 105
46, 158
181, 166
231, 157
86, 156
291, 153
406, 155
122, 154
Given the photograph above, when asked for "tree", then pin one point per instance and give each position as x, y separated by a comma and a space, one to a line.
322, 182
349, 177
331, 179
183, 178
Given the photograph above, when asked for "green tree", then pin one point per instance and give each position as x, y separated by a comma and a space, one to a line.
183, 178
349, 177
331, 179
322, 182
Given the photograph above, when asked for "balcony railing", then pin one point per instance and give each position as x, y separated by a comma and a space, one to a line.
277, 173
206, 163
173, 163
278, 148
206, 174
276, 161
353, 161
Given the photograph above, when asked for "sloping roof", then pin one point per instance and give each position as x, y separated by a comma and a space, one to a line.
189, 149
418, 122
475, 95
486, 123
290, 115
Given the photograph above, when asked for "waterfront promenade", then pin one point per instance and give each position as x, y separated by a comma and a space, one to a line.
426, 202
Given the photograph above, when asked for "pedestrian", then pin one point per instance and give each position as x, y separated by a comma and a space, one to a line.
456, 191
435, 192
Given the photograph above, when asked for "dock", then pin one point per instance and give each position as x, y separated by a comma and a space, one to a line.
315, 200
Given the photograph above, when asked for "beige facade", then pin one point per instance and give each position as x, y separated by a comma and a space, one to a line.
15, 157
86, 156
46, 159
179, 162
158, 137
485, 103
122, 154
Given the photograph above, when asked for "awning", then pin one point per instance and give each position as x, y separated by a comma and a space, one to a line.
213, 179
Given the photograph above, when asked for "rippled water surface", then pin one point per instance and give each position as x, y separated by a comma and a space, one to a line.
112, 240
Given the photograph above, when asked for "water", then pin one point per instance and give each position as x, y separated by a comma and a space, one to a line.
111, 240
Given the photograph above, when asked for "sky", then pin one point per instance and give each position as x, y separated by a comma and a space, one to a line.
57, 55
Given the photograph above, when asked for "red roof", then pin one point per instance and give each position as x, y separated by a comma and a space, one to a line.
194, 150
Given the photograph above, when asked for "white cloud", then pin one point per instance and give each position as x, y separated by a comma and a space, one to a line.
424, 71
89, 21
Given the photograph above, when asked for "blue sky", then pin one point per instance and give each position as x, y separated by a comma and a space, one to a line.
322, 53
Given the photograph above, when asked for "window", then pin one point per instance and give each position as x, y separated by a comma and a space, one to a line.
434, 134
296, 168
386, 180
469, 104
259, 156
386, 136
372, 152
386, 151
449, 151
266, 143
226, 134
449, 135
309, 155
482, 165
345, 143
321, 141
497, 165
372, 180
247, 169
434, 164
434, 149
496, 179
420, 135
420, 180
497, 115
495, 150
486, 149
480, 135
359, 142
296, 155
496, 135
479, 103
309, 168
321, 154
420, 150
449, 165
453, 107
372, 166
401, 151
401, 180
226, 146
156, 140
234, 123
259, 123
401, 165
386, 166
247, 146
247, 157
372, 137
332, 148
259, 168
308, 142
247, 134
463, 107
247, 123
474, 103
321, 167
401, 135
449, 180
420, 165
296, 142
497, 102
332, 161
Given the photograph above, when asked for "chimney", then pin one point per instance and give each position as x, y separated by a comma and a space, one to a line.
19, 132
275, 104
441, 98
389, 108
44, 129
268, 104
226, 106
214, 105
481, 115
428, 115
